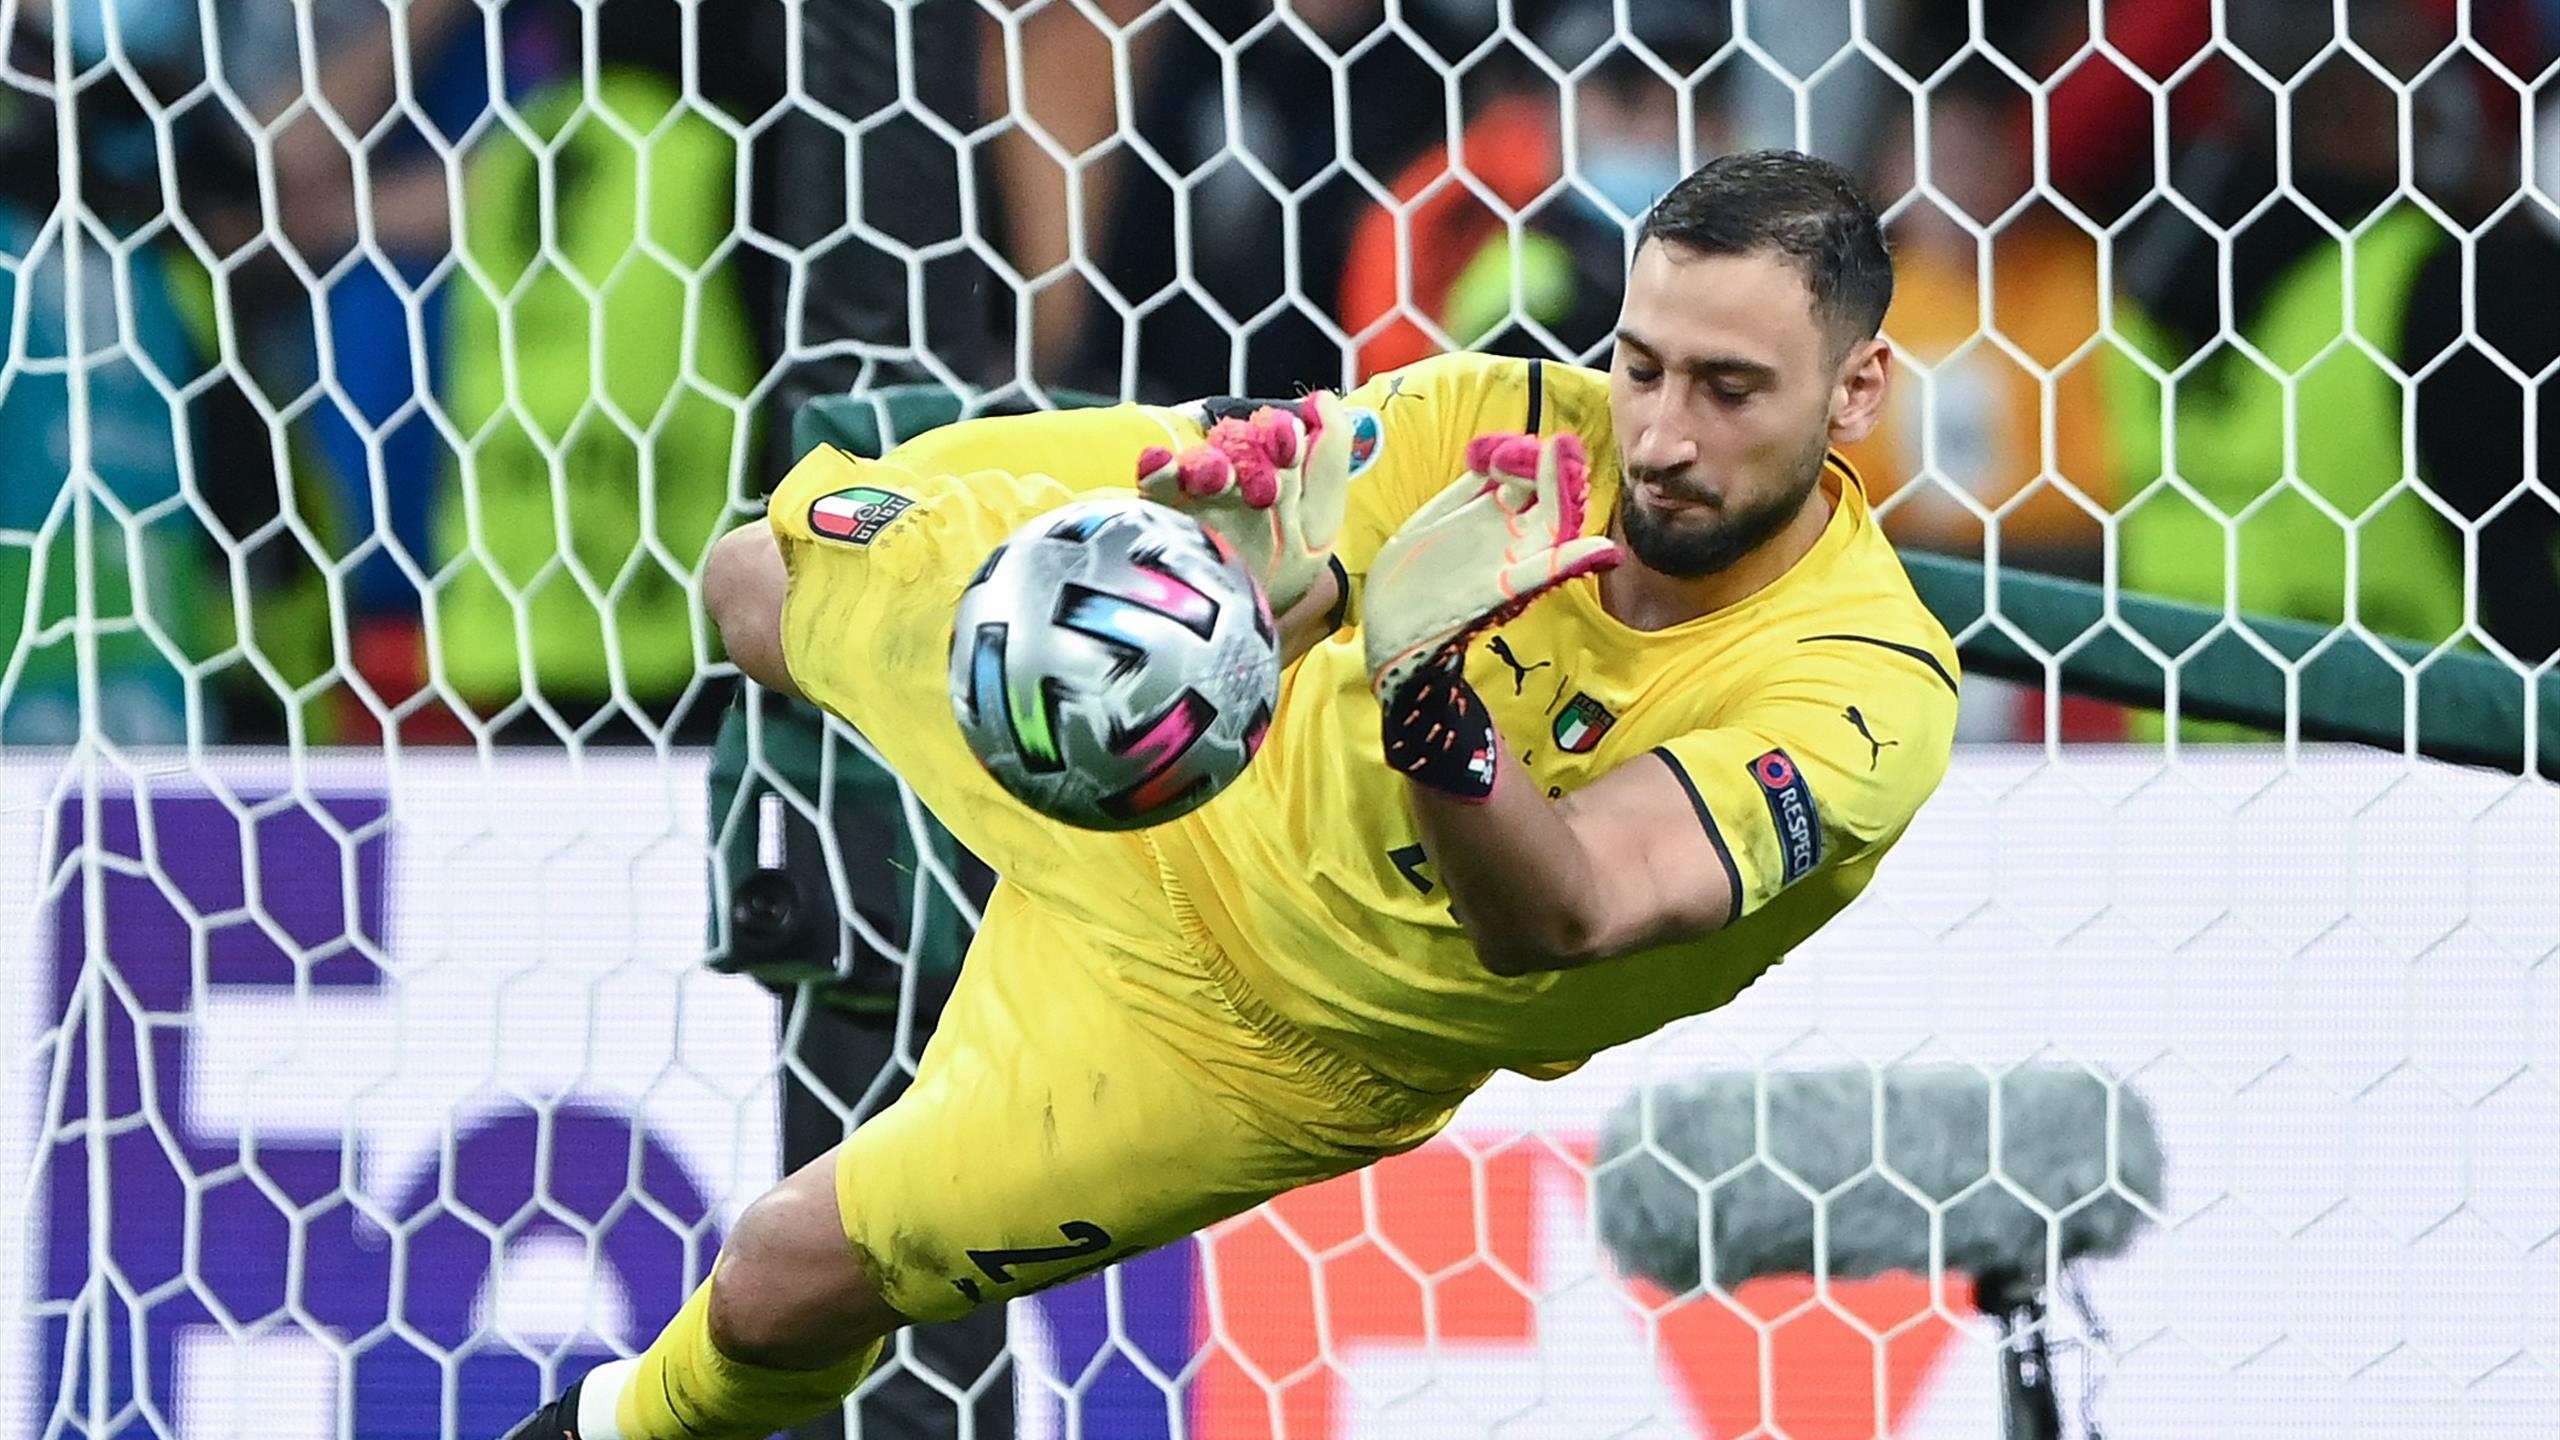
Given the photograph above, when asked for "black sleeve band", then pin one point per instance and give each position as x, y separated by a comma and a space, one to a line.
1897, 647
1537, 394
1341, 610
1707, 820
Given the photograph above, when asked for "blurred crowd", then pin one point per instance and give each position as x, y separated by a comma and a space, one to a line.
420, 349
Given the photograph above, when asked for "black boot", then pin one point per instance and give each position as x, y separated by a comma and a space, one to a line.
555, 1421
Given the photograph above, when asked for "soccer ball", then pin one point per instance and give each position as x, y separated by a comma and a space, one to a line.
1114, 665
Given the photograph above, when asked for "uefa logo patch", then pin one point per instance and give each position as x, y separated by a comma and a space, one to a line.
857, 515
1791, 812
1368, 436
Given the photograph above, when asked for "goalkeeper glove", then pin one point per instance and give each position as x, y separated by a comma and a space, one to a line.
1273, 486
1473, 556
1476, 554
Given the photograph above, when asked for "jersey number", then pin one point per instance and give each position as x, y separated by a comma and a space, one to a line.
1086, 1241
1084, 1238
1409, 860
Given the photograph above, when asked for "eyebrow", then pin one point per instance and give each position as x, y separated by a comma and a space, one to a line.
1705, 366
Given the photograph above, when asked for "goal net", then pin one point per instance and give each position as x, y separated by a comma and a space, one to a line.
372, 794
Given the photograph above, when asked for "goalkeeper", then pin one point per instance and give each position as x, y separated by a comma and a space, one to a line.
1606, 691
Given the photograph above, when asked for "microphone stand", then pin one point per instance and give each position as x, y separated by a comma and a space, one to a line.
2026, 1365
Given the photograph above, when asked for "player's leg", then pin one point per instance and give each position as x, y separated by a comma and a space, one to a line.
1093, 1094
1089, 1095
785, 1328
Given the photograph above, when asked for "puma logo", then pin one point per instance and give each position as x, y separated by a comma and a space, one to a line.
1519, 673
1876, 746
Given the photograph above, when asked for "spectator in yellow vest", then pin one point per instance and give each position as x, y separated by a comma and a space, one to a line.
2264, 396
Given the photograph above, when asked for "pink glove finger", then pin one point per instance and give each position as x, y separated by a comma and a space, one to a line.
1504, 454
1256, 478
1278, 435
1206, 471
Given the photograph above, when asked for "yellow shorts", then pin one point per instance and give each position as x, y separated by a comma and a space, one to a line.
1102, 1081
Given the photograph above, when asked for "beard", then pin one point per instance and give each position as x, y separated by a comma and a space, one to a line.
1712, 540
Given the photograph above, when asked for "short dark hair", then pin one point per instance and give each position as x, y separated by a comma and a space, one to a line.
1805, 209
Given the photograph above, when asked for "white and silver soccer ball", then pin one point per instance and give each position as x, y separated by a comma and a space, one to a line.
1114, 665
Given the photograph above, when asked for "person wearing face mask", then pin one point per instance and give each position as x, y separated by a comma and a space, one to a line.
1611, 135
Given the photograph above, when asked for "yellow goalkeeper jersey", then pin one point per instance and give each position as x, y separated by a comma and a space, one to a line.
1807, 724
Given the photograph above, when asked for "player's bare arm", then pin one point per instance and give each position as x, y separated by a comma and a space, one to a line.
743, 585
1617, 866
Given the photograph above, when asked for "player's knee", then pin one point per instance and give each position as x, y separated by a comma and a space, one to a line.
789, 1293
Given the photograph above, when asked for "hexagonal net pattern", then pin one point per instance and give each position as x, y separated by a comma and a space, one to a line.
380, 376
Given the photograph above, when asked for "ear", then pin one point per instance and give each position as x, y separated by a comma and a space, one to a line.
1858, 391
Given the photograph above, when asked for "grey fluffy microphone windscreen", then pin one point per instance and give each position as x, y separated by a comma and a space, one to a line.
2074, 1153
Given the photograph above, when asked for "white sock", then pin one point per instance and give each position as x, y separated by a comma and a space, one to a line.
598, 1394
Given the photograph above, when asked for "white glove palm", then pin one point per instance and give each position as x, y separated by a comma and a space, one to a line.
1273, 486
1476, 554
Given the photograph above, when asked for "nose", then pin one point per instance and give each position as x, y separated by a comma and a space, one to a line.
1657, 441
